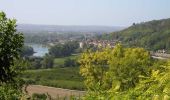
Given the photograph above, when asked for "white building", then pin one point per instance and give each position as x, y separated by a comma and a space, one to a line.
81, 44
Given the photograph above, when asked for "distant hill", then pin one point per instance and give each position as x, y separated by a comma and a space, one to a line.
153, 35
63, 29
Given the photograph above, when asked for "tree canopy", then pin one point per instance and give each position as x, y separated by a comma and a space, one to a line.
63, 50
10, 45
128, 73
26, 51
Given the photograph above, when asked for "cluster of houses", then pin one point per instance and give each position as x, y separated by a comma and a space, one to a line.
83, 42
98, 43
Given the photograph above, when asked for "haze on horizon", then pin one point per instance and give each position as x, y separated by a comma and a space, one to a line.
85, 12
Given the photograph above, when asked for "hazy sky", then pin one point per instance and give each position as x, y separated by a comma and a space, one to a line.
85, 12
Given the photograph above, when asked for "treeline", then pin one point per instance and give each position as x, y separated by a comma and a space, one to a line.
26, 51
40, 62
63, 50
44, 37
153, 35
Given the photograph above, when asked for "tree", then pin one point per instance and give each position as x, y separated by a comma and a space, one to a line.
70, 62
109, 72
11, 65
63, 50
126, 64
48, 61
26, 51
93, 67
34, 62
154, 87
10, 46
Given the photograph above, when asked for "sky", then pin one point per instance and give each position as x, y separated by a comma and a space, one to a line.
85, 12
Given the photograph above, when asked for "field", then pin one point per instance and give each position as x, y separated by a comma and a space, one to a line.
59, 62
67, 77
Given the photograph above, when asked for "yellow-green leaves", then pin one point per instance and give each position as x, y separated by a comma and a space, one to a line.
125, 73
93, 67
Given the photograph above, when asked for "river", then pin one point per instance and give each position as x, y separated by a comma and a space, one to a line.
39, 49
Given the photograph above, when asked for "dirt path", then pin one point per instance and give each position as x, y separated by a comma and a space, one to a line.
53, 92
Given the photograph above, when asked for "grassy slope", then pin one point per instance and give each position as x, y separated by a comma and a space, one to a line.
68, 78
59, 62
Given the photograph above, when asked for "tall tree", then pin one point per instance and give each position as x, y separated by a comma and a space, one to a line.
47, 61
109, 72
10, 44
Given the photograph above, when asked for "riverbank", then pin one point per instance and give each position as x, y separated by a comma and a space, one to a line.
39, 49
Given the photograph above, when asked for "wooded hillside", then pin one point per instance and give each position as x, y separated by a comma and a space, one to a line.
153, 35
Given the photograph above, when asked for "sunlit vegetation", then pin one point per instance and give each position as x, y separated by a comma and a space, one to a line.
124, 73
153, 35
10, 64
119, 73
67, 77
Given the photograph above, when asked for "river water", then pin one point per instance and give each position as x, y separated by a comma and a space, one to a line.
39, 49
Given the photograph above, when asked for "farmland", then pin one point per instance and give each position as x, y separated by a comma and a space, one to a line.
67, 77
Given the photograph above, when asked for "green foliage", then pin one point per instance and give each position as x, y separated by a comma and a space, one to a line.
26, 51
153, 35
156, 86
38, 63
63, 50
59, 62
11, 66
124, 74
47, 61
41, 37
93, 67
70, 63
12, 90
36, 96
9, 92
10, 45
67, 77
126, 64
121, 65
34, 62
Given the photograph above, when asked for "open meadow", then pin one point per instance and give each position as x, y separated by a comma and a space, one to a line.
67, 77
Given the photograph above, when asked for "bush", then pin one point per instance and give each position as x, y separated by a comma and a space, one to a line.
48, 61
36, 96
9, 92
70, 62
125, 73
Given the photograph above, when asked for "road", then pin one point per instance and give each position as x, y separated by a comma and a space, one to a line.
53, 92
